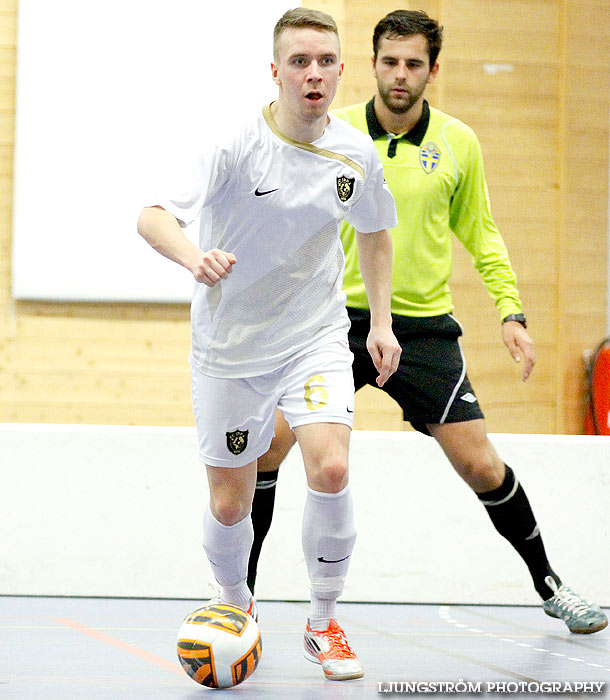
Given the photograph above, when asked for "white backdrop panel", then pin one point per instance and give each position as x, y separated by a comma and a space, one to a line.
117, 511
106, 94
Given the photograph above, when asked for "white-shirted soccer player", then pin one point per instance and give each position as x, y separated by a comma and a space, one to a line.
269, 326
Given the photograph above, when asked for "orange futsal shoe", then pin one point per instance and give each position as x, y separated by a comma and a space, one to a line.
253, 610
330, 649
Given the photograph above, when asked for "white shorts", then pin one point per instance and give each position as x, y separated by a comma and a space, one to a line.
236, 417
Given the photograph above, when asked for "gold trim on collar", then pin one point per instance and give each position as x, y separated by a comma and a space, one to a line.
308, 146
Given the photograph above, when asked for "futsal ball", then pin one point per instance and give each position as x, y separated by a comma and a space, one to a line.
219, 645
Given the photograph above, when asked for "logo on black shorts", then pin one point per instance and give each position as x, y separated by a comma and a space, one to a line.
237, 441
345, 187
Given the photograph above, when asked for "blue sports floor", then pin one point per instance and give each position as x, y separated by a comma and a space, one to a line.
124, 649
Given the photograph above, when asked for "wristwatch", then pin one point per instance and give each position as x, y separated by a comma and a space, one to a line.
519, 318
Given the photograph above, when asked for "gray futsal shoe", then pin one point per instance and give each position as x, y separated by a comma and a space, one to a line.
580, 615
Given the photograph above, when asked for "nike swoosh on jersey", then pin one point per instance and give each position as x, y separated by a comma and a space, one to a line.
258, 193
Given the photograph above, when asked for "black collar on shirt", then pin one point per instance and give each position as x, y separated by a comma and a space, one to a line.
415, 136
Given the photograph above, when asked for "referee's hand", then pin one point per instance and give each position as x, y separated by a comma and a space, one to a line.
520, 346
385, 351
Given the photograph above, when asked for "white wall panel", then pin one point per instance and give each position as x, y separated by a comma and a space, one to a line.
116, 511
106, 95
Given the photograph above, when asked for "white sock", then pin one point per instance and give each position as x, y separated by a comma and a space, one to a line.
228, 548
328, 536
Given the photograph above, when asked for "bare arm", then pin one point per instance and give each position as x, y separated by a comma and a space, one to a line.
375, 255
162, 231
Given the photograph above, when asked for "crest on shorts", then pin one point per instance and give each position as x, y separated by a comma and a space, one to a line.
237, 441
429, 156
345, 187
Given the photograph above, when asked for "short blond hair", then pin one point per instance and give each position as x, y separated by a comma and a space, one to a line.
303, 17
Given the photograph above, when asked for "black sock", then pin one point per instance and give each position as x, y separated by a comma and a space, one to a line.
511, 513
262, 514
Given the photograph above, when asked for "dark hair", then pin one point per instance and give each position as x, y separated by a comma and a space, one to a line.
407, 23
301, 17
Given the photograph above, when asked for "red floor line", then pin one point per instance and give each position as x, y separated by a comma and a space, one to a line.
124, 646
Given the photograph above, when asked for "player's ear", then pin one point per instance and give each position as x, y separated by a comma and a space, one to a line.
274, 74
433, 73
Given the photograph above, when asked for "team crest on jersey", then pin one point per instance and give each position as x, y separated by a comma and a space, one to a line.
237, 441
345, 187
429, 156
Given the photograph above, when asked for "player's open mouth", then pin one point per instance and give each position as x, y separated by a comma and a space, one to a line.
314, 96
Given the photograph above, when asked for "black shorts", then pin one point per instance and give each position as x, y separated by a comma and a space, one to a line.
431, 384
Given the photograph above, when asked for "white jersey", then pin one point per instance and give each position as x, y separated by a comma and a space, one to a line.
277, 205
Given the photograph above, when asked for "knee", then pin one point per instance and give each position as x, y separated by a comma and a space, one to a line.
228, 509
331, 476
482, 470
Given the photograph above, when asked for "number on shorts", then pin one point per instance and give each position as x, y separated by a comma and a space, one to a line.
316, 396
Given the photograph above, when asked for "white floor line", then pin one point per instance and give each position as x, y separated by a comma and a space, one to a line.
444, 612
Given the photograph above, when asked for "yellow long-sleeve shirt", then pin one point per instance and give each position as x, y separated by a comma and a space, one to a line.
435, 173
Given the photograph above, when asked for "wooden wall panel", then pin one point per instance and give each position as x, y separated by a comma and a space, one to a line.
8, 32
543, 126
582, 248
514, 114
